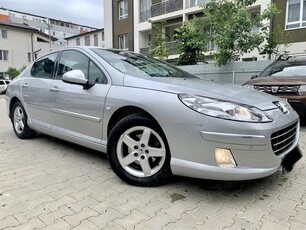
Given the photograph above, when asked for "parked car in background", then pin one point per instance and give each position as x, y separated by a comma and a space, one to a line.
3, 85
153, 119
286, 78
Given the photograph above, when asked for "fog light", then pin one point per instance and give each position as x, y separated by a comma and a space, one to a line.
224, 158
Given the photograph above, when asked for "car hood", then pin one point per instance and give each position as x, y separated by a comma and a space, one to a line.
205, 88
284, 80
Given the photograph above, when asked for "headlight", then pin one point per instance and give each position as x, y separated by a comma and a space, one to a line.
302, 90
223, 109
249, 86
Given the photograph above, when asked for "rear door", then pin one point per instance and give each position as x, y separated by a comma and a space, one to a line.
75, 111
36, 90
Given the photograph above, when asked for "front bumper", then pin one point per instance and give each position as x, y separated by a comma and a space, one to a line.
193, 147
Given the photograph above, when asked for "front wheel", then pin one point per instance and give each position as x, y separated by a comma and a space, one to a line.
19, 119
138, 152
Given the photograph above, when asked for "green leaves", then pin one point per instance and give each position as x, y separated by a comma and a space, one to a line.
235, 30
13, 72
191, 42
157, 47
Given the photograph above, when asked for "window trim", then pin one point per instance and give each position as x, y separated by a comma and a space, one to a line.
1, 34
103, 70
7, 52
78, 41
300, 21
127, 38
125, 3
87, 37
55, 64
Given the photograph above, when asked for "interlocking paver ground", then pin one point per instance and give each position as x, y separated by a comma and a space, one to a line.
47, 183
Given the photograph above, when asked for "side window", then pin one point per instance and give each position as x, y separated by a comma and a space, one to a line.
44, 67
1, 83
72, 60
96, 75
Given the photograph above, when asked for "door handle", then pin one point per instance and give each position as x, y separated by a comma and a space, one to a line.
54, 89
25, 85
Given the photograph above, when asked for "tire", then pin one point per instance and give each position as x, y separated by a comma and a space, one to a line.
138, 152
19, 120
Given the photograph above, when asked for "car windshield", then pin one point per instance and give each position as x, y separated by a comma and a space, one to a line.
140, 65
285, 69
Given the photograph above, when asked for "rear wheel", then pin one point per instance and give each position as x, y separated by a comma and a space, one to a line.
19, 119
138, 152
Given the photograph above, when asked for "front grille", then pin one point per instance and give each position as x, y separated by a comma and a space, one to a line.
284, 89
283, 139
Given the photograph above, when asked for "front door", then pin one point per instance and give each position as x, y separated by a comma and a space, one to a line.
78, 112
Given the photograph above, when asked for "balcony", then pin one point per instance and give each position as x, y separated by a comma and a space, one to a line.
171, 46
193, 3
166, 7
145, 15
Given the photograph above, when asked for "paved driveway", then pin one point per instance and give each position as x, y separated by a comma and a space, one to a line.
46, 183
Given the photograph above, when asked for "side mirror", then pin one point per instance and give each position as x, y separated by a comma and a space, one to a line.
254, 76
77, 77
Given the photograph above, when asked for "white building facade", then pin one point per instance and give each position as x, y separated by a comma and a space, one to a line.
53, 27
93, 38
174, 13
20, 45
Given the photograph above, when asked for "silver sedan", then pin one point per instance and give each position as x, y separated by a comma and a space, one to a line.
153, 119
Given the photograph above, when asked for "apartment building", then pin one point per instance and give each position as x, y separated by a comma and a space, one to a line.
53, 27
20, 45
129, 23
93, 38
292, 19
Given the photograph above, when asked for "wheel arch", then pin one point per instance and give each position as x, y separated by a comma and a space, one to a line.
125, 111
12, 103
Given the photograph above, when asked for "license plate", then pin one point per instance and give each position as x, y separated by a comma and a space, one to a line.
291, 158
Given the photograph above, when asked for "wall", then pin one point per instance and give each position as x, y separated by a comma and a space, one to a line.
294, 35
18, 43
235, 72
72, 41
123, 26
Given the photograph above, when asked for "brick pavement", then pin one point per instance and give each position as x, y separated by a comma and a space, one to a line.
50, 184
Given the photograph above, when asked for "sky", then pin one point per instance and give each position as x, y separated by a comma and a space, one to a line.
88, 13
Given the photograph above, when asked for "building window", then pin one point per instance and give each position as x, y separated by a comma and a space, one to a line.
123, 42
295, 14
123, 9
87, 41
255, 28
3, 33
4, 55
96, 40
102, 35
29, 57
145, 10
78, 42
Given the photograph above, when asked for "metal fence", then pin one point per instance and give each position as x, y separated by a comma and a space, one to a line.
235, 72
166, 7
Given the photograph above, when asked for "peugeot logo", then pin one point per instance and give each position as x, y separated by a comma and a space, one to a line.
274, 89
281, 106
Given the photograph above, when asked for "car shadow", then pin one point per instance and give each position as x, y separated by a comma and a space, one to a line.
219, 188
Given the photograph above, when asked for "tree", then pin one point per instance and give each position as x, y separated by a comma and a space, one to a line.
13, 72
232, 27
158, 46
191, 42
277, 42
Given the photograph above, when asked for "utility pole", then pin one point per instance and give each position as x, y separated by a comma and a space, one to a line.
49, 28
